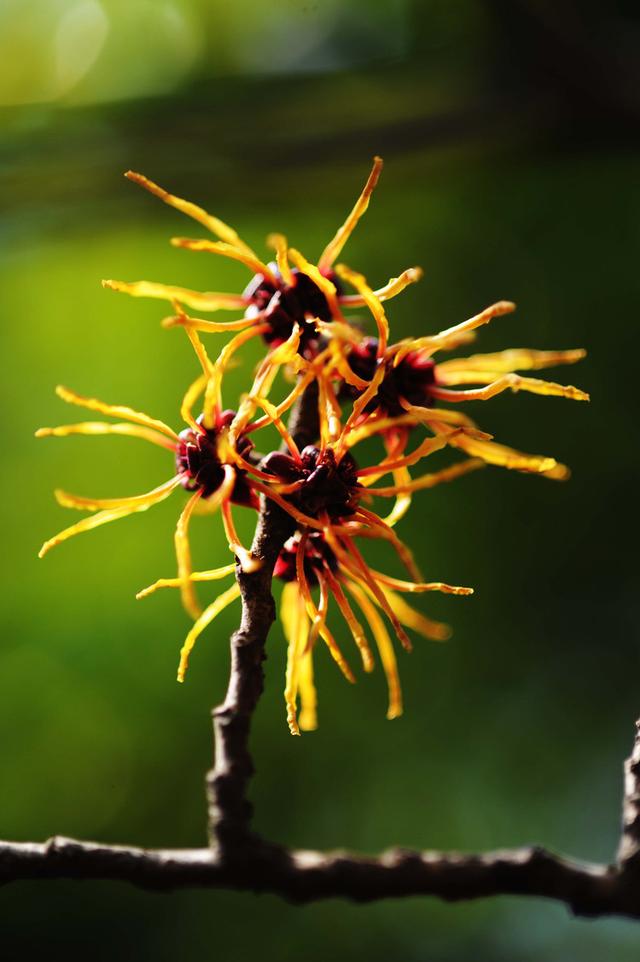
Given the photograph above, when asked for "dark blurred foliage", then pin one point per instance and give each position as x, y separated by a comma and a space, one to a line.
510, 135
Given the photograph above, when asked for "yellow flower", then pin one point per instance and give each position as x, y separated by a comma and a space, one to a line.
330, 560
366, 387
211, 457
282, 293
323, 489
405, 383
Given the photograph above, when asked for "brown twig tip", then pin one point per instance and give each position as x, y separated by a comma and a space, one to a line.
629, 851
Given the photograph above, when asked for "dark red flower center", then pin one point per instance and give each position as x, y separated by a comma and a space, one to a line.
327, 485
287, 304
199, 465
317, 556
412, 379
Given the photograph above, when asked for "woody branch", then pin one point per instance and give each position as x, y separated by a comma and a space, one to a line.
229, 810
239, 859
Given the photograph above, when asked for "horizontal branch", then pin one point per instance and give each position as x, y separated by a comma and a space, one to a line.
305, 876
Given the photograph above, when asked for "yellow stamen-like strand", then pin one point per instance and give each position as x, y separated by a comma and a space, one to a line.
203, 621
384, 531
226, 250
318, 616
327, 287
373, 303
393, 287
115, 410
213, 575
207, 327
294, 622
451, 335
427, 447
214, 224
192, 394
183, 557
352, 560
279, 243
121, 509
354, 625
413, 587
509, 382
433, 630
247, 561
308, 719
335, 245
385, 648
429, 480
200, 300
103, 427
514, 359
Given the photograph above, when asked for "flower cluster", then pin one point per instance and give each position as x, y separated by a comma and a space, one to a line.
367, 387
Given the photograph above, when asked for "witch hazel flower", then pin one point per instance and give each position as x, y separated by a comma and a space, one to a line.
216, 468
363, 385
282, 293
411, 385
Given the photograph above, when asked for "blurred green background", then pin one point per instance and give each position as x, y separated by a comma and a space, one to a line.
510, 134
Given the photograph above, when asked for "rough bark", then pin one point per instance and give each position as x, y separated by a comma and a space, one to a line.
229, 809
305, 876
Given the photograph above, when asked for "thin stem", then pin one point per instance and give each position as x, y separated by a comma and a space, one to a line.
229, 810
308, 876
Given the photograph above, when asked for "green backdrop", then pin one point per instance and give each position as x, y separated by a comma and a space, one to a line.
500, 186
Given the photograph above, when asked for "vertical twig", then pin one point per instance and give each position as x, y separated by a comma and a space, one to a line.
629, 851
229, 810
